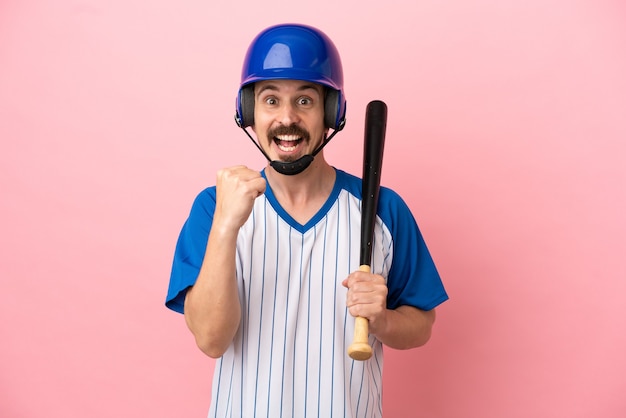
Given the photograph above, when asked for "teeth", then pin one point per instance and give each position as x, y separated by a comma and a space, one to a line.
287, 143
288, 137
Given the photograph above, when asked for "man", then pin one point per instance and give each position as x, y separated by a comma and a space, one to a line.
266, 266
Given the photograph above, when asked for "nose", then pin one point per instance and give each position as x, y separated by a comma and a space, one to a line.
288, 114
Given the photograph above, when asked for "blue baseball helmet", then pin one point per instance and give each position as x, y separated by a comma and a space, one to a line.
294, 52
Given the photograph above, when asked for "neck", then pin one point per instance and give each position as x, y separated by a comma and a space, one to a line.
306, 189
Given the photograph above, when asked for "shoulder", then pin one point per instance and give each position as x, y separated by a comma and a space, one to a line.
390, 203
207, 193
349, 182
204, 199
353, 184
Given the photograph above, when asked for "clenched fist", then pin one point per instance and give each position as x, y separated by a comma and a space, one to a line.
236, 189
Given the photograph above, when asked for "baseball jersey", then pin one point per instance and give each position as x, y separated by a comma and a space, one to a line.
289, 355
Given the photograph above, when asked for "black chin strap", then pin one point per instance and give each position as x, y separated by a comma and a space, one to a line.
294, 167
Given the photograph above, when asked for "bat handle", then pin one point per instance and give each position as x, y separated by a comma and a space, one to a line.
360, 348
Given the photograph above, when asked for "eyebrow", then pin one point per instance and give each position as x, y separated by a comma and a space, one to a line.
303, 87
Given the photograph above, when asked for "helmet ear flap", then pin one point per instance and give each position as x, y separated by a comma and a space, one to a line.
246, 106
333, 118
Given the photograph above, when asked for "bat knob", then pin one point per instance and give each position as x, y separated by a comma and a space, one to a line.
360, 348
360, 351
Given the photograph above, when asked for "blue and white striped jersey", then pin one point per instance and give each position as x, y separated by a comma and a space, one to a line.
289, 356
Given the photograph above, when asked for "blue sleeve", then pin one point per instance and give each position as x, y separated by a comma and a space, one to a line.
190, 249
413, 278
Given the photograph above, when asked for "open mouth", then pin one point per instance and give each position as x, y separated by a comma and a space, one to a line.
287, 143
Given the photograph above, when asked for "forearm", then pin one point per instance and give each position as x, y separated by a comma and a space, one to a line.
212, 307
404, 328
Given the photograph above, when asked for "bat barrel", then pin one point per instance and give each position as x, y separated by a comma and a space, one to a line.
375, 128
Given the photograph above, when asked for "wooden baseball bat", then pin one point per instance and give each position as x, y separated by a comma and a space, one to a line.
375, 128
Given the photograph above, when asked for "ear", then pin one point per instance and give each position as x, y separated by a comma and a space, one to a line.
246, 105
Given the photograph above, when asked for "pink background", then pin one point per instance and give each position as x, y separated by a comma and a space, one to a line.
506, 136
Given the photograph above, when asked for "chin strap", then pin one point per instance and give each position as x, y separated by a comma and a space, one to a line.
294, 167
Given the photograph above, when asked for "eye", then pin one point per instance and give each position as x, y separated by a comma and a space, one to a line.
271, 100
304, 101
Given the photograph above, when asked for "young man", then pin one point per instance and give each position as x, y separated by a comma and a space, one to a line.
266, 266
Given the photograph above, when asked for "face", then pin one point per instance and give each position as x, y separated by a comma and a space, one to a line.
288, 117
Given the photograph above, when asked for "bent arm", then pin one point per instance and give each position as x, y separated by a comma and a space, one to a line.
404, 328
212, 307
401, 328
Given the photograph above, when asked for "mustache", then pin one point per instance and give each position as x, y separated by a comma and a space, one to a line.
288, 130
